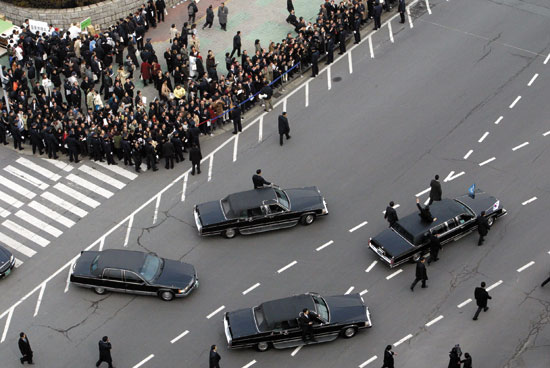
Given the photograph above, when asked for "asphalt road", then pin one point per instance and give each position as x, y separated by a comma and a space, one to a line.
379, 133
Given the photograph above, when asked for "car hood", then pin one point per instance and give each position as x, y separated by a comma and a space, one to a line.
393, 244
481, 202
5, 255
346, 308
303, 199
176, 274
210, 213
242, 323
82, 266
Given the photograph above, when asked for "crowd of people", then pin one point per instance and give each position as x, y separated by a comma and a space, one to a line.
76, 93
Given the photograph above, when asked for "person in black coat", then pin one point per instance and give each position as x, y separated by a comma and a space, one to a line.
482, 227
25, 348
377, 15
482, 296
435, 190
425, 214
108, 149
435, 246
178, 147
306, 318
160, 5
169, 153
421, 274
357, 29
73, 147
289, 6
258, 180
136, 155
195, 156
126, 150
150, 154
388, 357
36, 140
105, 352
402, 8
194, 134
467, 361
236, 44
214, 358
330, 49
15, 133
51, 143
209, 18
342, 40
237, 120
391, 214
284, 128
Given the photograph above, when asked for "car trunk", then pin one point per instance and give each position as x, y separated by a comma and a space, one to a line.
392, 243
242, 323
210, 213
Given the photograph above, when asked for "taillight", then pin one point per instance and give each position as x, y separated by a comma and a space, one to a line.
391, 262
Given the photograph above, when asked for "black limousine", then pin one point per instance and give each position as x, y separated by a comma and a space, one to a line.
408, 239
134, 272
259, 210
7, 262
275, 323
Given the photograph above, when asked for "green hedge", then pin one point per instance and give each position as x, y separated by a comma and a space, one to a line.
52, 4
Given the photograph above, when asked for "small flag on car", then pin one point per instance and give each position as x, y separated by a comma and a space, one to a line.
472, 191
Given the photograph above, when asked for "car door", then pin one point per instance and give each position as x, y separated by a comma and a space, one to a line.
135, 284
290, 335
113, 280
279, 217
255, 220
466, 223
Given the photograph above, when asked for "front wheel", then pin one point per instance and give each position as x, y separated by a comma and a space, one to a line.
262, 346
308, 219
99, 290
491, 221
229, 233
349, 332
416, 257
166, 295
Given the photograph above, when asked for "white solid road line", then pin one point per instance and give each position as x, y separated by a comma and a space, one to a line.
250, 364
156, 213
51, 214
533, 80
487, 161
215, 312
287, 266
428, 7
210, 164
370, 48
128, 229
20, 230
64, 204
363, 292
284, 103
435, 320
36, 222
468, 154
494, 285
464, 303
59, 164
185, 178
371, 266
235, 146
9, 312
324, 245
358, 226
422, 192
349, 290
39, 300
403, 339
14, 244
10, 200
529, 201
515, 102
394, 274
546, 60
329, 78
390, 32
101, 244
68, 280
260, 128
295, 351
37, 168
307, 94
520, 146
499, 120
409, 16
370, 360
350, 64
545, 134
101, 176
523, 268
175, 339
144, 361
483, 137
26, 177
118, 170
76, 195
90, 186
251, 288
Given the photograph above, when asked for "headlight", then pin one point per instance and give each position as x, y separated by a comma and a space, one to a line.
12, 259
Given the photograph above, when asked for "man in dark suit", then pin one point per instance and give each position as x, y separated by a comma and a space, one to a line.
169, 152
236, 44
214, 359
482, 296
425, 213
402, 8
25, 348
237, 120
258, 180
284, 128
421, 274
330, 49
305, 320
435, 190
377, 15
435, 246
105, 352
391, 214
482, 227
195, 157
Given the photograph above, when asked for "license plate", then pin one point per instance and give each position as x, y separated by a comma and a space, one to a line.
7, 273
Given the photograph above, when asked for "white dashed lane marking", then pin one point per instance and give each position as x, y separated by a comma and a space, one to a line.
523, 268
215, 312
433, 321
358, 226
483, 137
487, 161
520, 146
249, 364
370, 360
464, 303
546, 60
545, 134
494, 285
529, 201
371, 266
468, 154
349, 290
324, 245
144, 361
452, 176
515, 102
499, 120
422, 192
175, 339
533, 80
251, 288
363, 292
295, 351
287, 266
394, 274
402, 340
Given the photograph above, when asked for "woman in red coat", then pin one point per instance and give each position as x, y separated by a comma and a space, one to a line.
145, 72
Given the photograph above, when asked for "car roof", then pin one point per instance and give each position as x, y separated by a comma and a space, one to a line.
243, 201
286, 309
119, 258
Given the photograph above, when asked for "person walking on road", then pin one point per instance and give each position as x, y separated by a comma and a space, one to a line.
454, 357
214, 358
266, 93
377, 15
258, 180
482, 227
421, 274
195, 156
482, 296
25, 349
222, 16
209, 17
467, 362
391, 214
402, 8
284, 128
435, 246
388, 357
435, 190
545, 282
192, 11
236, 45
105, 352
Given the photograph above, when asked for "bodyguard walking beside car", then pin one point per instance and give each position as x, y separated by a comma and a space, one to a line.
482, 227
435, 190
388, 357
105, 352
391, 214
214, 359
284, 128
482, 296
421, 274
435, 246
25, 349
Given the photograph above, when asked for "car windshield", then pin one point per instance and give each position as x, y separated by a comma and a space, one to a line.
282, 198
466, 209
151, 267
93, 267
404, 233
322, 307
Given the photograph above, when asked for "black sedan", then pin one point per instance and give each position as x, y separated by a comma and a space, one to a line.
7, 262
408, 239
134, 272
259, 210
275, 323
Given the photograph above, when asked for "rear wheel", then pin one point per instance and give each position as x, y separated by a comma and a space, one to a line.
308, 219
262, 346
166, 295
229, 233
349, 332
99, 290
491, 221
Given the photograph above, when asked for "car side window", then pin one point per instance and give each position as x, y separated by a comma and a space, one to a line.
463, 218
132, 278
112, 274
438, 230
275, 208
254, 212
451, 224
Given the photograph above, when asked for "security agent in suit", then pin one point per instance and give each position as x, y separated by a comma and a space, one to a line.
421, 274
195, 157
136, 155
108, 149
377, 15
391, 214
402, 8
330, 49
435, 246
169, 153
105, 352
214, 358
357, 29
73, 147
126, 150
388, 357
306, 320
482, 296
150, 154
25, 349
178, 146
284, 128
482, 227
258, 180
425, 213
435, 190
237, 120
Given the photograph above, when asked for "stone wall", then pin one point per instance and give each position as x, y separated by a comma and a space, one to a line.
104, 14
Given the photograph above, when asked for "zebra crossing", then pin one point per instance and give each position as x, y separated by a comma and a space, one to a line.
41, 198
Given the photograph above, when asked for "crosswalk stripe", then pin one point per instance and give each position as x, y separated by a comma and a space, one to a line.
64, 204
26, 177
39, 223
16, 188
4, 213
26, 233
101, 176
77, 195
90, 186
59, 164
10, 200
14, 244
18, 262
39, 169
51, 214
118, 170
